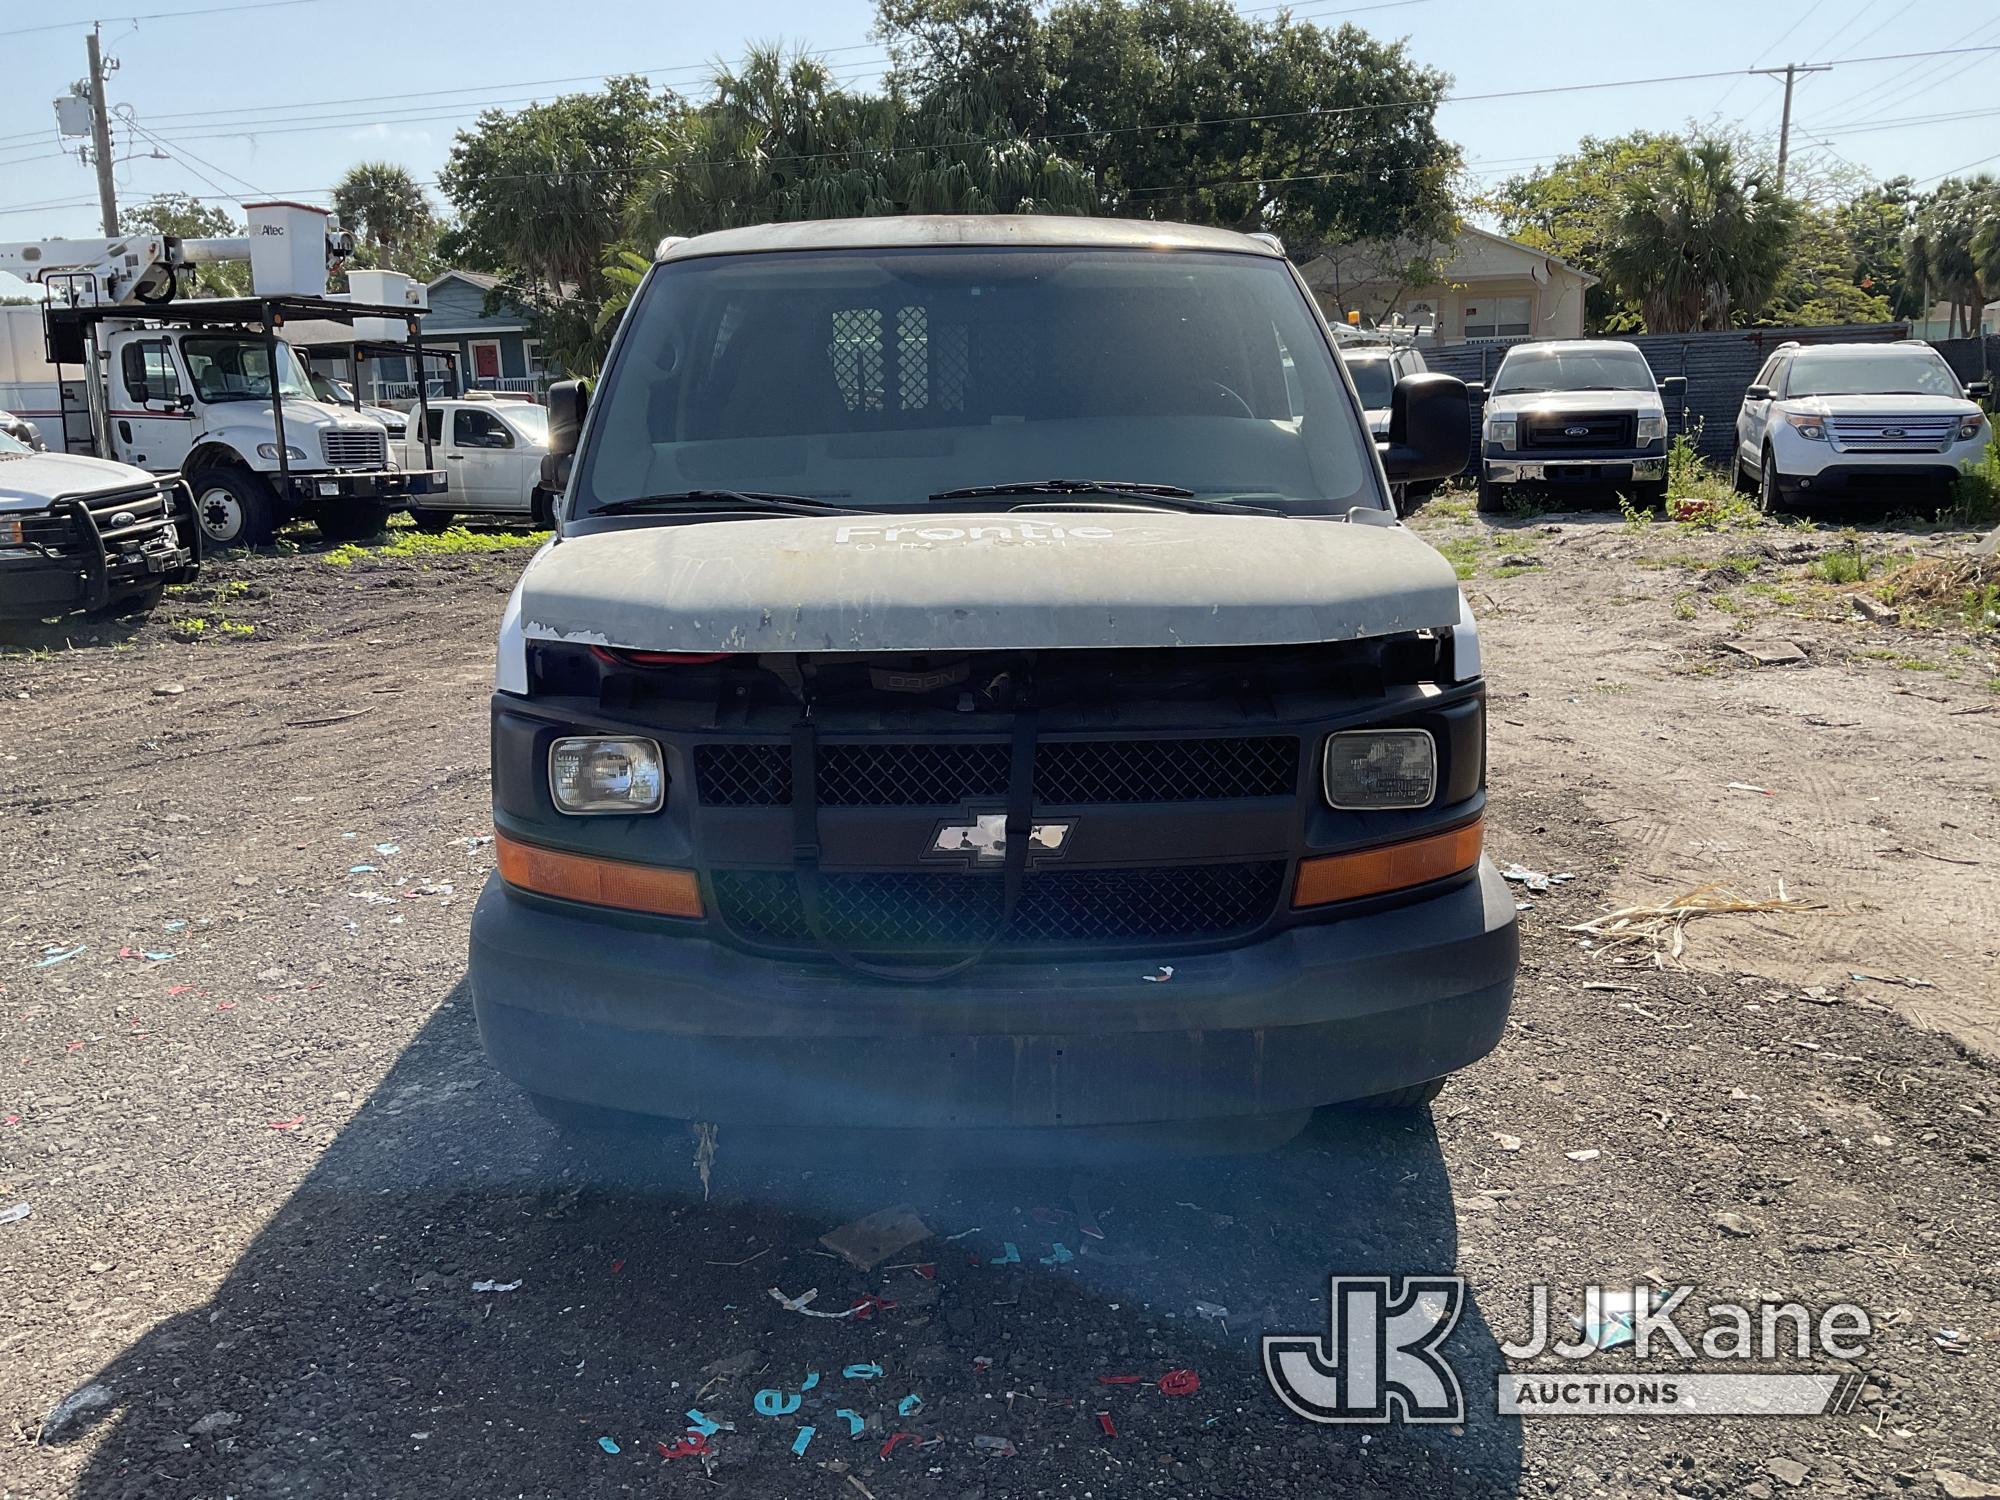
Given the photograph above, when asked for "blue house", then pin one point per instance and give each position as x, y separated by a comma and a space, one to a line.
496, 351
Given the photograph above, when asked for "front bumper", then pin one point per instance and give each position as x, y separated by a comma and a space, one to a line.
638, 1018
88, 558
1871, 481
372, 484
1602, 470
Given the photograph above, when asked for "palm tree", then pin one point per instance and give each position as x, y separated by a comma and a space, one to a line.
1952, 251
382, 204
1696, 240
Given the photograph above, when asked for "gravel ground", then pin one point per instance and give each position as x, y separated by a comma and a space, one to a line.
267, 1172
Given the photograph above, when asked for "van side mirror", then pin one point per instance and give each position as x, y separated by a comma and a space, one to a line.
1674, 392
568, 401
1758, 393
1430, 428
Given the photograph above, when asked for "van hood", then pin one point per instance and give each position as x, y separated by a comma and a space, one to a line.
33, 481
986, 582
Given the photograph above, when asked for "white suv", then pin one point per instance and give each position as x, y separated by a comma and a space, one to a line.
1877, 421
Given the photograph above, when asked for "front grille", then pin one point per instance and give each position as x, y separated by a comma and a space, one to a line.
1892, 434
946, 773
127, 515
952, 912
1578, 430
355, 450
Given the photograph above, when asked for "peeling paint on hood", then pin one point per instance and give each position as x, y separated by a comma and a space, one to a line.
1008, 581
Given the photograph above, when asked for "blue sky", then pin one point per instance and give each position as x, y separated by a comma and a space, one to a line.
258, 101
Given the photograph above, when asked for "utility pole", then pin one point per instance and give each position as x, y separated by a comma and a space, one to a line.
100, 139
1790, 72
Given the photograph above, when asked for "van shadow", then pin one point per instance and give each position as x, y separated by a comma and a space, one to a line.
347, 1353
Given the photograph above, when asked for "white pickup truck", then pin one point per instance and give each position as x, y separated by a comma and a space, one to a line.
492, 453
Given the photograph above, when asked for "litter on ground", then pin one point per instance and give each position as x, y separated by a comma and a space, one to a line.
1662, 926
84, 1398
56, 954
607, 1445
867, 1242
803, 1440
496, 1286
15, 1214
1534, 880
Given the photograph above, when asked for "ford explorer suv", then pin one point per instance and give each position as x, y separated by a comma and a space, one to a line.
1579, 413
85, 535
972, 686
1886, 422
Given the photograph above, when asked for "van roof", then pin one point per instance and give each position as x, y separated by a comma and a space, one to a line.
911, 231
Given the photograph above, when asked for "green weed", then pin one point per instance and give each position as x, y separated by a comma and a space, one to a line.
411, 543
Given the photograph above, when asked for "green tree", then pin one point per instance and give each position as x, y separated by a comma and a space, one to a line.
188, 218
1873, 224
1571, 208
1186, 109
1939, 258
392, 221
543, 197
1820, 283
1699, 242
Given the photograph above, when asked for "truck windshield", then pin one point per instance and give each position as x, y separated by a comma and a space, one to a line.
11, 444
1374, 380
239, 369
1872, 372
1573, 370
877, 378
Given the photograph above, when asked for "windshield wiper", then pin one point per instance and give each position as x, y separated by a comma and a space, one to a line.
1066, 487
758, 502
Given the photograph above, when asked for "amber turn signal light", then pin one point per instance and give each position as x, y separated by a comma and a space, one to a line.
1392, 867
599, 882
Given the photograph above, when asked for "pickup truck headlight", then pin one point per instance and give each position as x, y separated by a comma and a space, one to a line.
589, 774
1501, 430
1377, 768
1971, 427
1652, 428
10, 531
270, 451
1807, 425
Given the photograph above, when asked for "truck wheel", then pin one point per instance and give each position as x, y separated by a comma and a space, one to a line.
131, 606
233, 507
1416, 1096
1770, 497
1650, 496
542, 510
431, 522
351, 522
1491, 501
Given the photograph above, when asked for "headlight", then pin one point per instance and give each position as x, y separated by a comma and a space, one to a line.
1501, 430
1970, 428
10, 532
270, 451
1807, 426
1374, 768
593, 775
1652, 428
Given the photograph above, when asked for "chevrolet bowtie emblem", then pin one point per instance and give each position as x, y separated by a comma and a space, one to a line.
983, 841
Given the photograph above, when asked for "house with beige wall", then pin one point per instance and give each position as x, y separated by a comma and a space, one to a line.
1492, 288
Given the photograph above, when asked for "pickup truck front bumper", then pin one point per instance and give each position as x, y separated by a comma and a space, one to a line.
1603, 470
90, 552
580, 1007
352, 484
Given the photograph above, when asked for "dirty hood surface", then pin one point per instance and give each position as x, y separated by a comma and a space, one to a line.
33, 481
986, 582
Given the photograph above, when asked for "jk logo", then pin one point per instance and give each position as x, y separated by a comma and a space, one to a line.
1378, 1361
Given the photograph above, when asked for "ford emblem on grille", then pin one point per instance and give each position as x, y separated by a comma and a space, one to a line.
983, 841
124, 518
1892, 432
1576, 432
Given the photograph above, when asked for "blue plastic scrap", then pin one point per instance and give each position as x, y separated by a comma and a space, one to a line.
771, 1403
803, 1440
1009, 1255
810, 1381
705, 1425
1058, 1255
361, 869
607, 1445
854, 1421
909, 1406
388, 848
55, 954
862, 1372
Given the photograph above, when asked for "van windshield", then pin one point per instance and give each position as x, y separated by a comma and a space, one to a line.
1573, 370
877, 378
1373, 380
239, 369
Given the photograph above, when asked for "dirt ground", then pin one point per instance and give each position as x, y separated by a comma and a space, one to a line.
267, 1162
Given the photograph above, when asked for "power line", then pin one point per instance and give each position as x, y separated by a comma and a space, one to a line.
1939, 177
166, 15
